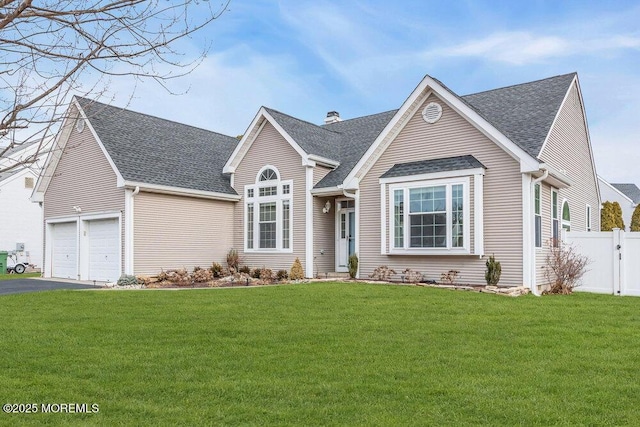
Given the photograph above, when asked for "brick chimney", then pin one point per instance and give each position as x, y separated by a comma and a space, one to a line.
332, 117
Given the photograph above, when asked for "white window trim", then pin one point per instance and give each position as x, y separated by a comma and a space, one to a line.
557, 215
449, 250
257, 201
537, 205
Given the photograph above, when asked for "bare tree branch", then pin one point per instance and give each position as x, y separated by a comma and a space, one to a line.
54, 49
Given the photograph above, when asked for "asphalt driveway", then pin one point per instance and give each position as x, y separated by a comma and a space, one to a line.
18, 286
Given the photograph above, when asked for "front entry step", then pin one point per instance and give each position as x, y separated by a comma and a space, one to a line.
334, 275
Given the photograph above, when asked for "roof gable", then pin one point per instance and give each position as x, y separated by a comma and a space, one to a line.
524, 112
151, 150
630, 190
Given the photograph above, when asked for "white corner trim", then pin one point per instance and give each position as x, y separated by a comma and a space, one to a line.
129, 196
431, 176
528, 254
478, 215
308, 222
383, 219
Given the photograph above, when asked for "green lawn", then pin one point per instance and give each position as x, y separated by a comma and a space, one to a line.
18, 276
322, 354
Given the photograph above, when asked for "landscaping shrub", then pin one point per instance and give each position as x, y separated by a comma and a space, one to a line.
611, 216
180, 277
127, 280
635, 219
143, 280
353, 266
449, 278
564, 267
493, 271
296, 272
216, 270
163, 276
255, 273
382, 273
201, 275
282, 275
266, 275
245, 269
412, 276
233, 260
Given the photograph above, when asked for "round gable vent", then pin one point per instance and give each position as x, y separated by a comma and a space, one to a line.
79, 124
432, 112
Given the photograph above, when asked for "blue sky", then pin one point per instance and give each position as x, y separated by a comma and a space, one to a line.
305, 58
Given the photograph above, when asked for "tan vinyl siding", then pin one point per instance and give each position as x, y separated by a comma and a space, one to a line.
270, 148
567, 148
84, 178
451, 136
324, 236
179, 232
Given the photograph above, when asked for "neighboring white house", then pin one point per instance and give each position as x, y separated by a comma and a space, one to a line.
627, 195
20, 218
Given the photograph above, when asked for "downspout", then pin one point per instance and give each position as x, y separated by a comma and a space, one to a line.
545, 174
136, 191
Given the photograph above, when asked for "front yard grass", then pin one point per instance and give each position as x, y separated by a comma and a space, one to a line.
12, 276
321, 354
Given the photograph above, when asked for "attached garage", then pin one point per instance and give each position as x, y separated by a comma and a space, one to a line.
64, 250
104, 249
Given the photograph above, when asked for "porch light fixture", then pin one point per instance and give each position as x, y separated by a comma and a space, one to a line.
327, 207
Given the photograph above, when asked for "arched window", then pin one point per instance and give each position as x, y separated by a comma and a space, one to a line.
268, 212
566, 216
268, 175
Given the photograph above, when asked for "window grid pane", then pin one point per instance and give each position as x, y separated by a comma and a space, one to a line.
268, 175
268, 191
250, 226
286, 189
285, 224
249, 193
268, 225
428, 230
398, 213
537, 199
457, 216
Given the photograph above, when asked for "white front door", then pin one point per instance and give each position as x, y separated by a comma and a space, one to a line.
64, 250
104, 249
346, 235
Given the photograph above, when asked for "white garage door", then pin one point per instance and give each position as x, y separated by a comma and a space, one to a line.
104, 250
64, 251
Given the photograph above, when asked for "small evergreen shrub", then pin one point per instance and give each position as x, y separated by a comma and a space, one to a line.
493, 271
611, 216
127, 280
353, 266
296, 273
282, 275
382, 273
635, 219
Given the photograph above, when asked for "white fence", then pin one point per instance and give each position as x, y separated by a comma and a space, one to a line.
614, 256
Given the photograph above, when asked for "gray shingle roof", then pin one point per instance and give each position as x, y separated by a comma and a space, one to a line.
156, 151
630, 190
432, 166
524, 113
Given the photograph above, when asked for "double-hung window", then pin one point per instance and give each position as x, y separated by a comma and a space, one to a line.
555, 221
268, 213
430, 216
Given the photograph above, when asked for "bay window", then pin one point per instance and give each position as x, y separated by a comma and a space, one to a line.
430, 216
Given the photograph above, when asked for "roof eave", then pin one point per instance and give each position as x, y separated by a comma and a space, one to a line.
178, 191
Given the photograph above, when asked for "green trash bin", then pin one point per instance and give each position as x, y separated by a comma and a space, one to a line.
3, 261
